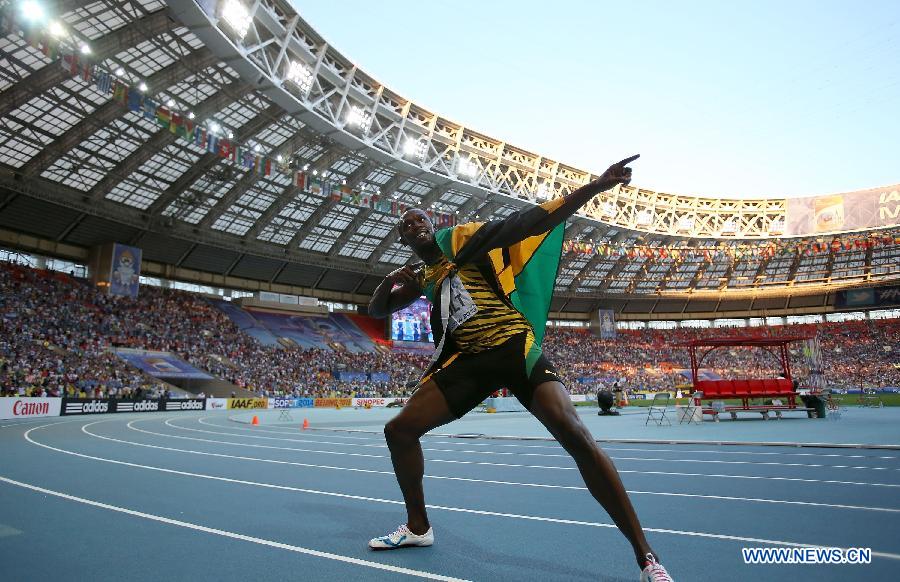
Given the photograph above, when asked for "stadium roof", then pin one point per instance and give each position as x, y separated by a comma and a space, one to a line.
83, 163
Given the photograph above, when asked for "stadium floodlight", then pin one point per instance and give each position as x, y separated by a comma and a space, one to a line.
466, 168
237, 16
302, 76
143, 86
729, 226
543, 192
359, 117
416, 148
120, 71
230, 135
686, 224
56, 29
644, 217
609, 209
191, 115
777, 227
213, 127
33, 11
85, 49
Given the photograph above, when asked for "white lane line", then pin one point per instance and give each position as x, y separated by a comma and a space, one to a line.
468, 442
658, 441
232, 535
27, 436
85, 430
168, 422
516, 465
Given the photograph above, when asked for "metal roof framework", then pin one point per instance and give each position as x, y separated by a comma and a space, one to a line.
106, 172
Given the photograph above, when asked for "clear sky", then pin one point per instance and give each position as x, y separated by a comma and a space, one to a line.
739, 98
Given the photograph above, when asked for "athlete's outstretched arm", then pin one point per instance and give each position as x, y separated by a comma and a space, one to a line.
388, 299
540, 219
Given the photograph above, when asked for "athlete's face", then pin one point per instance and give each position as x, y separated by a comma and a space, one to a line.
416, 229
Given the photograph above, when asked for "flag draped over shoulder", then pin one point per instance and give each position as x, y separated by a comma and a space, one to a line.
525, 269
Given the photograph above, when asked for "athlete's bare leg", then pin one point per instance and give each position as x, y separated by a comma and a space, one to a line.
427, 409
552, 406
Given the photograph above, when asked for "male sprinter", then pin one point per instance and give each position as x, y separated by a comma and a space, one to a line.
490, 285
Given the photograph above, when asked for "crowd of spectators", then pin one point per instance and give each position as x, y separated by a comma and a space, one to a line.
58, 334
852, 354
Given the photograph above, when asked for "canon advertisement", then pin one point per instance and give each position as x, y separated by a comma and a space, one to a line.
13, 408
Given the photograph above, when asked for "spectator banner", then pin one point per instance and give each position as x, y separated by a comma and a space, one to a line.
379, 377
125, 273
871, 297
136, 406
332, 402
346, 376
247, 403
216, 403
607, 319
87, 406
184, 404
835, 213
29, 407
305, 402
161, 364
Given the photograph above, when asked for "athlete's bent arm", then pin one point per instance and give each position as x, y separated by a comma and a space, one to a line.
387, 298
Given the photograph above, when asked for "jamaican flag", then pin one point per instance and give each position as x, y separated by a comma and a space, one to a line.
522, 253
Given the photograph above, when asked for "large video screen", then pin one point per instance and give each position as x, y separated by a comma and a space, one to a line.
412, 323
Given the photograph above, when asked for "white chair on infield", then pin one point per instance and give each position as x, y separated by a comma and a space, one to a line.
693, 412
658, 408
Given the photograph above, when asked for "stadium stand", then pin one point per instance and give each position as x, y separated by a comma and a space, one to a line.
51, 350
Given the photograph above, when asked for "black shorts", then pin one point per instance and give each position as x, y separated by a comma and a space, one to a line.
467, 379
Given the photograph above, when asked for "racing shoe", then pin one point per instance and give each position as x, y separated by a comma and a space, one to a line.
654, 571
402, 538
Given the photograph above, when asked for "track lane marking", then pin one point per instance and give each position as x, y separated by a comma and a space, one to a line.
473, 480
232, 535
27, 436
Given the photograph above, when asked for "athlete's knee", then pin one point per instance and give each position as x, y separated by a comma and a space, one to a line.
398, 430
576, 439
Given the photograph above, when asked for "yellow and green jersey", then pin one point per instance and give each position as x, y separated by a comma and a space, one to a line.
509, 269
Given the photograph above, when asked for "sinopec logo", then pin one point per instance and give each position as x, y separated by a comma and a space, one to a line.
283, 403
21, 408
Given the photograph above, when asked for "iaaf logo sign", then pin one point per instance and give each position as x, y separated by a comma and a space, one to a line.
139, 406
91, 407
184, 405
